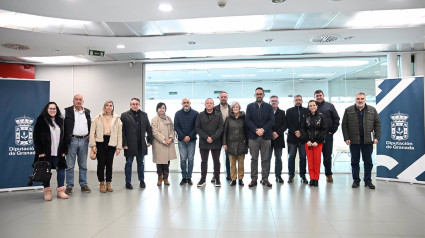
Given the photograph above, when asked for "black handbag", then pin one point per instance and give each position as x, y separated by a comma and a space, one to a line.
42, 172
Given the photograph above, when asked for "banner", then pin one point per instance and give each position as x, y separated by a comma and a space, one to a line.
22, 102
401, 150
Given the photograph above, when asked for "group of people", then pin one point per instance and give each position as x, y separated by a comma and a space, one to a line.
64, 138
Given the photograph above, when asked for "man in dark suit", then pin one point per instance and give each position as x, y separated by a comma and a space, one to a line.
278, 141
259, 120
135, 126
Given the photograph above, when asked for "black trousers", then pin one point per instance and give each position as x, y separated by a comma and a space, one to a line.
105, 158
204, 162
163, 169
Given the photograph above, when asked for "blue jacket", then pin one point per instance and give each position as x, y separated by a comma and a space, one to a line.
259, 119
184, 124
332, 118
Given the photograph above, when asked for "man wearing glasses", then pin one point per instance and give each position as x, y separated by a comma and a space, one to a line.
135, 126
259, 120
278, 141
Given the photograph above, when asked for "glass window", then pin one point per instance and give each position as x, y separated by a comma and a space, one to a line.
339, 78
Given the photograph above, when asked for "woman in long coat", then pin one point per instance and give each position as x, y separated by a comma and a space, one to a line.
49, 146
163, 144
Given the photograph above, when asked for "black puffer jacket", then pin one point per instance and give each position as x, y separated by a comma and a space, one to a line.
209, 126
313, 128
235, 134
43, 142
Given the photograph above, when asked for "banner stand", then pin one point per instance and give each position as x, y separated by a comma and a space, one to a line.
9, 190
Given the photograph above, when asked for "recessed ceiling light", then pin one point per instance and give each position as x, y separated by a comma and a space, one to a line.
278, 1
165, 7
120, 46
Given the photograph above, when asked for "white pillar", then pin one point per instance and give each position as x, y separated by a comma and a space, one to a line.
419, 64
392, 70
405, 65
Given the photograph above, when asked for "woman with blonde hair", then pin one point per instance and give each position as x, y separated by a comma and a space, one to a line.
163, 144
105, 140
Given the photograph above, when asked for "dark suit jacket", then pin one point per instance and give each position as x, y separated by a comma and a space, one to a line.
129, 133
256, 118
279, 127
211, 126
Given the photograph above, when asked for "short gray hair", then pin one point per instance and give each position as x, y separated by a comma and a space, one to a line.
234, 104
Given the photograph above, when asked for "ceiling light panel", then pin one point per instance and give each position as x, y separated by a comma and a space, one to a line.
57, 60
217, 24
388, 18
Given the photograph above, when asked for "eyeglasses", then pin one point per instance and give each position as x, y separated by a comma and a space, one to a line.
134, 104
274, 101
52, 109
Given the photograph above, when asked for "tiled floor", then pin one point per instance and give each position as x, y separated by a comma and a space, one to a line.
288, 210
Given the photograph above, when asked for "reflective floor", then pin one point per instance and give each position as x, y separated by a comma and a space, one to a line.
288, 210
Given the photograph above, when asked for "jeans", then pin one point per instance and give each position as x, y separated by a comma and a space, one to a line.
366, 150
140, 159
292, 153
187, 154
60, 173
278, 160
256, 147
77, 148
327, 153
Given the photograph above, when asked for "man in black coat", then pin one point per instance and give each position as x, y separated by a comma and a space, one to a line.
209, 126
135, 126
294, 116
332, 121
278, 140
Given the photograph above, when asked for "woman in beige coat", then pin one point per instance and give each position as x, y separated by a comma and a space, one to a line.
105, 140
163, 143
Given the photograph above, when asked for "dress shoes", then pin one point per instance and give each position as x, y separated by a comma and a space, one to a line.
370, 185
279, 179
355, 184
233, 183
252, 184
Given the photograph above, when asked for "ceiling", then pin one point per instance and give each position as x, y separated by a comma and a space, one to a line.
201, 30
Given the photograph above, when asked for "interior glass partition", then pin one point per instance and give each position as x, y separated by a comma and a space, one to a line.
339, 78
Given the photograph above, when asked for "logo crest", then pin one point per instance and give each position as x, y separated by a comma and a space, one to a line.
399, 126
24, 131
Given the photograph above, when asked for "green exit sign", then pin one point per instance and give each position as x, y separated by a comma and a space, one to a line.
97, 53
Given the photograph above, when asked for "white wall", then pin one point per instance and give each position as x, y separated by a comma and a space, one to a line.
97, 83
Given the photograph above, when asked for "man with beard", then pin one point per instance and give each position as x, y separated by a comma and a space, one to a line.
294, 116
332, 121
184, 124
259, 120
224, 109
361, 128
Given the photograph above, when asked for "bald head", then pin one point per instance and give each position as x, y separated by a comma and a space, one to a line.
186, 104
78, 101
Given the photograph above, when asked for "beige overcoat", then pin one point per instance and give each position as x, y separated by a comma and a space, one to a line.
162, 129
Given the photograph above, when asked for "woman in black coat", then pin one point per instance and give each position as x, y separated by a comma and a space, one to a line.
235, 142
49, 145
313, 134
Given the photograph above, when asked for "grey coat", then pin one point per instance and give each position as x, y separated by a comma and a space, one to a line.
211, 126
129, 133
350, 124
235, 134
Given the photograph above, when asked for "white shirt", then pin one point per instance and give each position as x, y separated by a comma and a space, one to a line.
80, 124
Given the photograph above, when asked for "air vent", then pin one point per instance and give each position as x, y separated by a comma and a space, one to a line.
324, 39
16, 46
